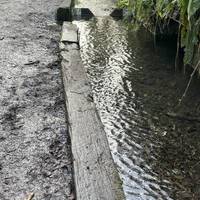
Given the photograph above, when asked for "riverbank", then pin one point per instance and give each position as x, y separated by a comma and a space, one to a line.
167, 18
35, 152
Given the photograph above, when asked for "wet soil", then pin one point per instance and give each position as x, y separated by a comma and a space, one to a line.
34, 143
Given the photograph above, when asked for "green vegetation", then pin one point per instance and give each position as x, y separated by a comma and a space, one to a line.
154, 13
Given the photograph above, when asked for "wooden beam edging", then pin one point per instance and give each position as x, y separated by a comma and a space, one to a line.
64, 12
95, 174
68, 10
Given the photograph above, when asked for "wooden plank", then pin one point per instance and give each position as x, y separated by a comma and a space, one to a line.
96, 177
82, 13
69, 33
64, 11
100, 7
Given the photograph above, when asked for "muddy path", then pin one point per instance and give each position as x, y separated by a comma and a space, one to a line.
34, 143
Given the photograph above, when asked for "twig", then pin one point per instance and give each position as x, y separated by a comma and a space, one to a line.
31, 195
188, 85
154, 35
178, 46
179, 22
182, 117
76, 92
32, 62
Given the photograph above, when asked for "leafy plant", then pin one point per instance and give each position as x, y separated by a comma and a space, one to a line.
123, 3
152, 13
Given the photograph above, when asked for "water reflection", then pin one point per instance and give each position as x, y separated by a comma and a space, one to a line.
133, 87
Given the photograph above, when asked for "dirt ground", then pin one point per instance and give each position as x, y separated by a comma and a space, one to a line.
35, 155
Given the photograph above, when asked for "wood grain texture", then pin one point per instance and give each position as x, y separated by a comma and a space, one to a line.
64, 11
69, 33
97, 7
96, 177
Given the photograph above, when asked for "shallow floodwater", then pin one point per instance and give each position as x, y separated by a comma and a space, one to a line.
134, 88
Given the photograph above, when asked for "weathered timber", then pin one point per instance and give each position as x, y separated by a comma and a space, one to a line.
86, 9
64, 11
96, 177
99, 7
69, 33
82, 13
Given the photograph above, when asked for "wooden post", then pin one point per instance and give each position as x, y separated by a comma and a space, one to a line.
96, 177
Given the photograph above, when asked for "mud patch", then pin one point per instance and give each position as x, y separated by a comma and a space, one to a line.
35, 154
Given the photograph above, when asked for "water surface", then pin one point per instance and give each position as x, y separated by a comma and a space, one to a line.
134, 87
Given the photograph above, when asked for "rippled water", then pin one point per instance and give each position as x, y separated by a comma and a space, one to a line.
134, 86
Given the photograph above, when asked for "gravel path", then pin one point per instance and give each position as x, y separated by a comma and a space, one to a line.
35, 153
